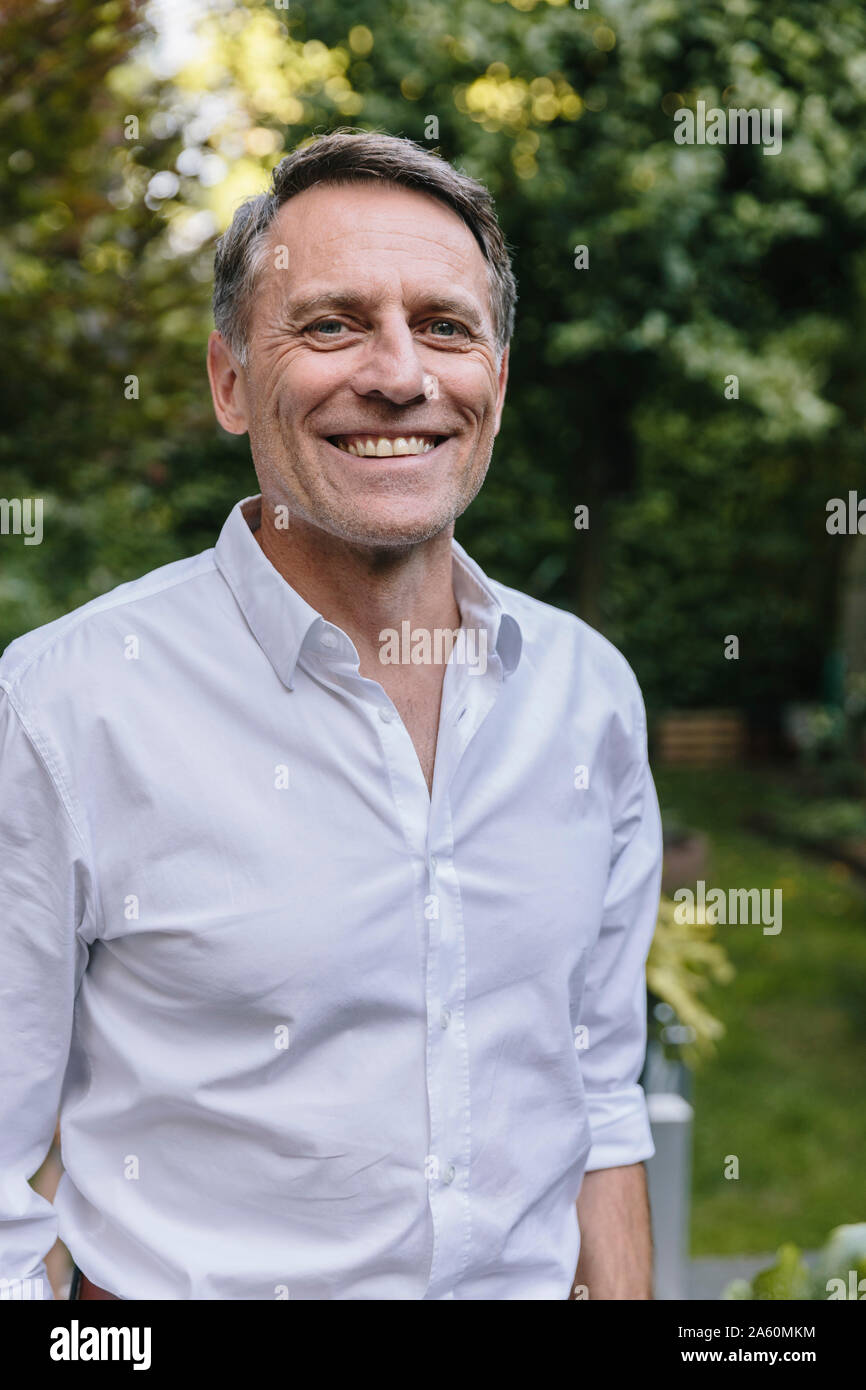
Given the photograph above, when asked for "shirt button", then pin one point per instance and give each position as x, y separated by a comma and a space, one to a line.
385, 714
434, 863
450, 1174
445, 1017
329, 639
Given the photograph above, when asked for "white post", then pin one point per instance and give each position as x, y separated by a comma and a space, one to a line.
669, 1182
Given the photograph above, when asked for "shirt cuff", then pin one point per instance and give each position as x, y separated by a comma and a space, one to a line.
620, 1127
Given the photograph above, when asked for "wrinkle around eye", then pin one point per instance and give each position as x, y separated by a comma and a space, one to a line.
462, 334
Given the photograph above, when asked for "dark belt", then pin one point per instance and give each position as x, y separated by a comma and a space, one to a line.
82, 1287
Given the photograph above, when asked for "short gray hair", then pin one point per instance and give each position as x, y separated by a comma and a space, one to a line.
351, 156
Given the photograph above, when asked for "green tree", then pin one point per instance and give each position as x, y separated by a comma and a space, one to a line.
706, 513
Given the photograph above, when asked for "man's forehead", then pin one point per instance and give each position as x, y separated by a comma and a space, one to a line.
374, 205
326, 229
329, 223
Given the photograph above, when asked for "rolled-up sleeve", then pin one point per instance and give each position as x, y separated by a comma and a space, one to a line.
613, 1008
44, 903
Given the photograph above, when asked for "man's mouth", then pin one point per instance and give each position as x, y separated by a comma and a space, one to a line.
385, 446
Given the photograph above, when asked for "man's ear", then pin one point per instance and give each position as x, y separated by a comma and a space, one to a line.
227, 385
500, 395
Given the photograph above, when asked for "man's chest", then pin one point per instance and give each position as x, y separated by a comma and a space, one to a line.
307, 860
418, 704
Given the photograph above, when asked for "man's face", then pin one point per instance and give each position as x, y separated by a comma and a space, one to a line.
378, 328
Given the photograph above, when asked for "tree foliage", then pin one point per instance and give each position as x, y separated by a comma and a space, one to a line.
704, 262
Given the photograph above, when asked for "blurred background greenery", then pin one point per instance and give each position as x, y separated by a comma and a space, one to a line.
129, 132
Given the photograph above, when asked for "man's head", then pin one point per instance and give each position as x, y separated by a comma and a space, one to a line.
368, 296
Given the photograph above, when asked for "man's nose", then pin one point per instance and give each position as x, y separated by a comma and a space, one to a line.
391, 365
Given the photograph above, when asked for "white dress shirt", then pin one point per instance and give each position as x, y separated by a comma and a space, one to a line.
313, 1031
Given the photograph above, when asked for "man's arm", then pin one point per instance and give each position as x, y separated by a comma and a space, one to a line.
44, 893
616, 1244
612, 1208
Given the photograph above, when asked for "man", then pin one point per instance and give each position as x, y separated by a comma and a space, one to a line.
328, 865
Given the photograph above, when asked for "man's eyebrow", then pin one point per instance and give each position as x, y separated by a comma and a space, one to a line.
350, 300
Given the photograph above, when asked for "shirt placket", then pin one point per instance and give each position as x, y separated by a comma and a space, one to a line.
466, 701
427, 824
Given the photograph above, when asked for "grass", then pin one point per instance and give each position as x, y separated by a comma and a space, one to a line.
785, 1093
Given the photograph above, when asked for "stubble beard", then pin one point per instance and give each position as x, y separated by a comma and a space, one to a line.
321, 509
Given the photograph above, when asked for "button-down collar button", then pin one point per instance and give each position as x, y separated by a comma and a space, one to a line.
445, 1017
385, 714
450, 1173
329, 639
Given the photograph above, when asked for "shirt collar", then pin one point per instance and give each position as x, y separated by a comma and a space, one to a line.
281, 620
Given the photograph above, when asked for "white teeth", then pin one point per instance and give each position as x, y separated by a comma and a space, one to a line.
387, 448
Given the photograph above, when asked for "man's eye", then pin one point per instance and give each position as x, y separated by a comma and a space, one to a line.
449, 323
331, 327
323, 323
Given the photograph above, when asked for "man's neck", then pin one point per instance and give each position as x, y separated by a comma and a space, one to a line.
364, 590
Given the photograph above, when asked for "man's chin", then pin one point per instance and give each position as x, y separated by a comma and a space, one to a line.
390, 533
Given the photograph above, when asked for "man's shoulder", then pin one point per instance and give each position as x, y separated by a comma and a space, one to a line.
563, 637
76, 641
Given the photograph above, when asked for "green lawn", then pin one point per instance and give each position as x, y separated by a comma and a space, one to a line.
786, 1092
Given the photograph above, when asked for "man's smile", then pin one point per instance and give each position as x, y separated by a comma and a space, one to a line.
377, 446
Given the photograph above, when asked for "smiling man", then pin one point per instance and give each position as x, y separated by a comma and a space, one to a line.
333, 964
